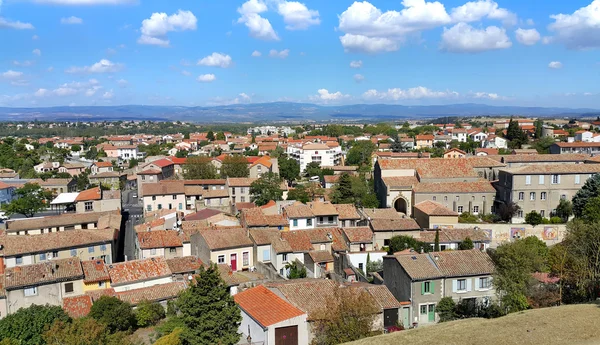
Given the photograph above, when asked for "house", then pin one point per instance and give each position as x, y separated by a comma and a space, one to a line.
347, 215
159, 243
7, 193
300, 216
590, 148
450, 238
46, 167
459, 134
360, 243
432, 215
424, 141
326, 215
271, 248
98, 200
475, 197
159, 293
385, 229
239, 189
257, 218
486, 152
182, 268
57, 185
41, 225
230, 246
42, 283
72, 169
455, 153
95, 274
269, 319
324, 154
112, 180
424, 279
137, 274
164, 195
263, 165
101, 167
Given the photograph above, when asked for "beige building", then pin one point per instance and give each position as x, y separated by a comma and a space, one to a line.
541, 187
475, 197
239, 189
424, 141
98, 200
432, 215
63, 222
232, 247
168, 195
159, 243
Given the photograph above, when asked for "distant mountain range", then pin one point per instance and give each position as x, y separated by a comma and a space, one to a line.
278, 112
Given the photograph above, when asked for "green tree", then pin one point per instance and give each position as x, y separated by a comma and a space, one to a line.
539, 126
220, 136
210, 136
508, 210
133, 162
266, 188
591, 211
84, 331
436, 243
199, 168
172, 338
514, 263
30, 199
543, 144
533, 218
181, 154
403, 242
313, 169
467, 244
149, 313
515, 134
75, 148
208, 311
235, 166
295, 272
589, 190
564, 210
289, 169
360, 153
27, 325
446, 309
116, 314
342, 191
299, 193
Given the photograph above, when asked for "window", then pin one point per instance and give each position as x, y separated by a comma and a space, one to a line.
475, 209
154, 198
101, 284
309, 222
285, 258
528, 179
245, 259
91, 249
457, 198
577, 179
89, 206
173, 250
43, 257
541, 179
153, 251
485, 283
69, 287
543, 213
543, 195
445, 198
159, 206
521, 196
180, 206
243, 190
483, 198
555, 179
30, 291
361, 266
426, 288
461, 285
434, 198
243, 199
423, 309
73, 252
295, 222
520, 213
170, 206
19, 260
174, 197
532, 196
149, 208
460, 209
54, 254
266, 255
221, 259
563, 197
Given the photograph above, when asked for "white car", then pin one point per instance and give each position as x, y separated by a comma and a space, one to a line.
3, 216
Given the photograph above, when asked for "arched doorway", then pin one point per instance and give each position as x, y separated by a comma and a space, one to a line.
401, 206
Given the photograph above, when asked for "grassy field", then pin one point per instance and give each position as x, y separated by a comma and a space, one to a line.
572, 324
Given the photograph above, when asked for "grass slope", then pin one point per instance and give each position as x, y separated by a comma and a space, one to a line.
572, 324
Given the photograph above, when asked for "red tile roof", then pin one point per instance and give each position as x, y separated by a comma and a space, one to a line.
219, 239
163, 163
265, 307
159, 239
202, 214
77, 306
138, 270
481, 186
155, 293
403, 224
90, 194
58, 270
432, 208
95, 271
184, 264
361, 234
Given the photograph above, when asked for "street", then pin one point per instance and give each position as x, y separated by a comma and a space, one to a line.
133, 213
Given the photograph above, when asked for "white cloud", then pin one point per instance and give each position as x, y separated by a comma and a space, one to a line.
154, 29
87, 88
279, 54
258, 26
50, 69
527, 37
216, 60
35, 37
477, 10
419, 92
65, 91
122, 83
108, 94
485, 95
37, 52
25, 63
239, 99
463, 38
325, 96
71, 20
580, 30
555, 65
256, 53
17, 25
360, 43
206, 78
186, 73
86, 2
359, 78
11, 75
530, 22
41, 93
297, 16
92, 91
356, 64
103, 66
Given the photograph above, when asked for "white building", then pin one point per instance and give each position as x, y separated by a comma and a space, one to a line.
325, 155
127, 152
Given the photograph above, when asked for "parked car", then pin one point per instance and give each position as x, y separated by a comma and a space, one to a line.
3, 216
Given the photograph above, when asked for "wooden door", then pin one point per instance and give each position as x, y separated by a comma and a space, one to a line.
234, 262
286, 335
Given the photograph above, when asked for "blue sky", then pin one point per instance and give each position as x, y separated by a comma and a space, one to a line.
201, 52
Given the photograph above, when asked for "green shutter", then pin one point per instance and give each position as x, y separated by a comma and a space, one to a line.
432, 287
422, 288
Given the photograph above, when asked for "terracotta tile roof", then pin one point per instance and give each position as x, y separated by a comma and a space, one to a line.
404, 224
564, 157
424, 137
455, 150
406, 182
319, 256
545, 169
157, 224
309, 295
240, 181
455, 235
178, 161
138, 270
346, 211
162, 188
206, 182
90, 194
383, 296
53, 182
255, 217
265, 307
202, 214
184, 264
577, 144
315, 146
487, 151
194, 190
163, 163
77, 306
326, 235
95, 271
322, 208
331, 178
381, 213
481, 186
244, 205
219, 239
48, 242
155, 293
215, 193
103, 164
298, 240
361, 234
264, 236
159, 239
440, 167
340, 167
58, 270
419, 266
298, 210
264, 160
150, 172
432, 208
460, 263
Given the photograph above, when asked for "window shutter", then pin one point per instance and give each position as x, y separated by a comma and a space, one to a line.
432, 287
559, 179
454, 284
422, 288
469, 284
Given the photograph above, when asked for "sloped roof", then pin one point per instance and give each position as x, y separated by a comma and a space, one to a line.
77, 306
432, 208
265, 307
174, 187
159, 239
346, 211
461, 263
44, 243
90, 194
403, 224
419, 266
58, 270
320, 208
155, 293
138, 270
481, 186
298, 210
361, 234
219, 239
184, 264
95, 271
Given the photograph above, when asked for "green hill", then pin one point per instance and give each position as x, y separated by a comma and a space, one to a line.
572, 324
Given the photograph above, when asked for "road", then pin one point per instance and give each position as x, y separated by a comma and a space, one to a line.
133, 213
